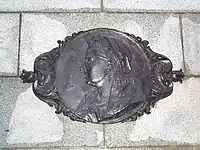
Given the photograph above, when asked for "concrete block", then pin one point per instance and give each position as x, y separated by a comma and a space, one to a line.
50, 6
82, 134
191, 40
9, 34
151, 5
25, 120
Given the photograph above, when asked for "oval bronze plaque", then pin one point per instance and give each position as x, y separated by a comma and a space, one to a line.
102, 76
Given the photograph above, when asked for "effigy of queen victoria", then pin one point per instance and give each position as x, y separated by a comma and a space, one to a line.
102, 76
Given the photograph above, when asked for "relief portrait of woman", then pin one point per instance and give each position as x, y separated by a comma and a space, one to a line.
102, 76
109, 79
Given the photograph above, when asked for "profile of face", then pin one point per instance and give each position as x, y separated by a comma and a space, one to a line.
103, 57
97, 61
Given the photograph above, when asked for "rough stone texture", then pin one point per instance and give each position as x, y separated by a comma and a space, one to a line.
196, 147
130, 148
41, 31
9, 32
33, 121
175, 120
66, 148
191, 40
175, 148
12, 91
118, 148
151, 5
50, 5
82, 134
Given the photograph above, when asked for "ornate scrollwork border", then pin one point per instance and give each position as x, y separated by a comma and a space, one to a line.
43, 79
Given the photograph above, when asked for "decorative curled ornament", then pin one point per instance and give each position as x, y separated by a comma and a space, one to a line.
102, 76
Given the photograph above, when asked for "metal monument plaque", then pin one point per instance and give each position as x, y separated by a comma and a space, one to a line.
102, 76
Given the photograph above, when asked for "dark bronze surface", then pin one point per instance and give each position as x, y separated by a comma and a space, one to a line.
102, 76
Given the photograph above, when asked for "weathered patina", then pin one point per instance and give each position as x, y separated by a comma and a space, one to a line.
102, 76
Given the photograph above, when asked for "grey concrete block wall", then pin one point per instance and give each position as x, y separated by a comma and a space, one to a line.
25, 120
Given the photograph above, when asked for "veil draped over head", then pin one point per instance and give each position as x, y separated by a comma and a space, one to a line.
109, 69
